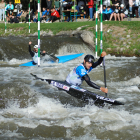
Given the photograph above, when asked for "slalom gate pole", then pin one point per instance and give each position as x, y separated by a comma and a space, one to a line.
29, 17
38, 33
101, 26
96, 28
5, 18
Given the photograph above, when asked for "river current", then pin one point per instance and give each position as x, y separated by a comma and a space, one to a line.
33, 109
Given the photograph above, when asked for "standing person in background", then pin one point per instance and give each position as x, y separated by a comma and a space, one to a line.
57, 5
49, 4
90, 6
19, 7
2, 10
106, 2
10, 8
135, 8
139, 9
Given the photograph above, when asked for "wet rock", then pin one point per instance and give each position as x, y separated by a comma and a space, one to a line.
134, 50
116, 49
124, 43
65, 33
128, 36
122, 49
122, 38
88, 37
10, 30
127, 46
109, 49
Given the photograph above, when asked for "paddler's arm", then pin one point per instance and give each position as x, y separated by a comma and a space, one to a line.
43, 53
30, 51
90, 83
99, 60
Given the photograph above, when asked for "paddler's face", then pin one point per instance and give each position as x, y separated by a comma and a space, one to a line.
87, 64
36, 50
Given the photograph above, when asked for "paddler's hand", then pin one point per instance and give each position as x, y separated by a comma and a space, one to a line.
30, 42
105, 90
44, 52
103, 54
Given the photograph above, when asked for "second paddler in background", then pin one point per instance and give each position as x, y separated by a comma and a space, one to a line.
34, 53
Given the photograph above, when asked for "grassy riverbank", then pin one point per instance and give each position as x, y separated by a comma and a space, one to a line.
119, 38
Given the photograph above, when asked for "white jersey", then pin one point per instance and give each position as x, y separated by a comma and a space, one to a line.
75, 76
35, 57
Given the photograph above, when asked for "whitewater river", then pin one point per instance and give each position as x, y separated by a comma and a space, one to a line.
33, 109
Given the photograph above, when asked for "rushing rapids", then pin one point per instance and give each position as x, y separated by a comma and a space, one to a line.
33, 109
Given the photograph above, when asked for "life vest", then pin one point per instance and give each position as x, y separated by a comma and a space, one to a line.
75, 76
35, 57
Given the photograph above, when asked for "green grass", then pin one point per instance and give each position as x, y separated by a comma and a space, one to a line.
108, 40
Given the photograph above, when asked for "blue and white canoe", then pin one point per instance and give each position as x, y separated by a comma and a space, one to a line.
61, 59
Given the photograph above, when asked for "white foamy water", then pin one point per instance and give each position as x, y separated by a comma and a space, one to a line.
33, 109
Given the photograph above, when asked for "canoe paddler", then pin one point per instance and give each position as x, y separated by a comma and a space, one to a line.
80, 73
34, 53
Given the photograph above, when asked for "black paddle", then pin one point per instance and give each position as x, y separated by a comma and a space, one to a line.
104, 74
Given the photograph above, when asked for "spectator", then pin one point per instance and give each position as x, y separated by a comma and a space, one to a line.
104, 12
114, 4
19, 7
49, 4
10, 8
35, 17
108, 12
13, 19
64, 5
106, 2
115, 14
135, 8
57, 5
81, 3
43, 14
69, 4
98, 12
27, 16
48, 14
90, 6
19, 15
2, 10
22, 18
122, 10
54, 16
139, 9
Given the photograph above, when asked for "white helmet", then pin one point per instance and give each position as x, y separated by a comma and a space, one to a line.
36, 46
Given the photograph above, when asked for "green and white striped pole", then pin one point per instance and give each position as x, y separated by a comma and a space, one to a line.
29, 17
96, 28
38, 33
101, 26
5, 18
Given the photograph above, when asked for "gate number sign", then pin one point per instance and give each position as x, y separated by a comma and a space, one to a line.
17, 1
